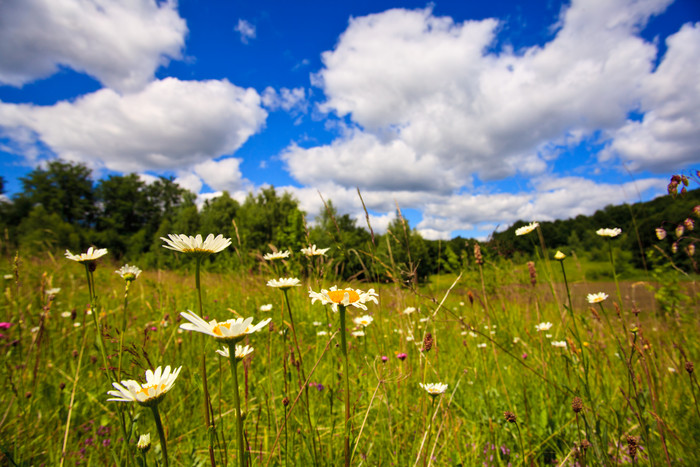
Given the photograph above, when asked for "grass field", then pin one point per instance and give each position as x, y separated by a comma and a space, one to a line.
607, 383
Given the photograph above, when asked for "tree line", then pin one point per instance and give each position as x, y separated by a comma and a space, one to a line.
61, 207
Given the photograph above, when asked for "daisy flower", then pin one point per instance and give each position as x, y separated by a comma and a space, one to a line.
609, 232
241, 352
284, 282
229, 332
596, 297
266, 308
363, 320
357, 333
409, 310
190, 244
128, 273
144, 443
158, 383
546, 326
434, 389
91, 255
526, 229
344, 297
53, 291
561, 344
276, 255
313, 251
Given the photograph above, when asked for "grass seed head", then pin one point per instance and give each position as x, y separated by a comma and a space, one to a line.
510, 416
689, 367
577, 404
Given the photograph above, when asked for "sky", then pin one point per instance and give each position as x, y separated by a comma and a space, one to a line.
467, 116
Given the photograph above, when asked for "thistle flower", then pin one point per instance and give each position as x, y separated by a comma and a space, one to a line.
434, 389
609, 232
276, 255
401, 356
596, 297
144, 443
363, 321
544, 326
158, 383
91, 255
660, 233
526, 229
345, 297
190, 244
229, 332
313, 251
241, 352
284, 283
559, 256
128, 273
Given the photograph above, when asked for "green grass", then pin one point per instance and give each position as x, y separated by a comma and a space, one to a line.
487, 351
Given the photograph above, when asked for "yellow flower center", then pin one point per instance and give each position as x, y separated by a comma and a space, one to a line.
218, 332
145, 390
337, 296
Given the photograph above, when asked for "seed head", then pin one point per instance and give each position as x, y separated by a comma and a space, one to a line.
428, 342
285, 401
533, 272
577, 404
689, 367
477, 254
470, 296
510, 417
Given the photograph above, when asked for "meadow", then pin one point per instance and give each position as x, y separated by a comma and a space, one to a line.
540, 368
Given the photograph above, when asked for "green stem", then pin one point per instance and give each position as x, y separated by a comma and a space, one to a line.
197, 284
344, 349
237, 401
95, 318
161, 433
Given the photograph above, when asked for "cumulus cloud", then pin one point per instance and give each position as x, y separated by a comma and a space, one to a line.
223, 175
246, 30
169, 125
425, 91
289, 100
121, 44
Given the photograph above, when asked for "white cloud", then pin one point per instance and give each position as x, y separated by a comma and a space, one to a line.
289, 100
433, 108
246, 29
121, 44
189, 181
224, 175
170, 125
668, 133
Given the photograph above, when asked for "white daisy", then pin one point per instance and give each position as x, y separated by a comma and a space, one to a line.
158, 383
91, 255
276, 255
284, 282
230, 331
128, 273
409, 310
365, 320
313, 251
561, 344
526, 229
545, 326
345, 297
266, 308
357, 333
609, 232
241, 352
144, 443
596, 297
189, 244
434, 389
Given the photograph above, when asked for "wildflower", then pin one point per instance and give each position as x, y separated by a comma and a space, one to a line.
276, 255
345, 297
284, 283
689, 367
524, 230
266, 308
384, 358
660, 233
510, 416
322, 333
5, 325
363, 320
66, 314
144, 443
408, 310
91, 255
482, 345
434, 389
229, 332
691, 249
516, 340
560, 344
679, 230
241, 352
524, 356
577, 404
313, 251
671, 369
544, 326
401, 356
596, 297
696, 210
689, 224
128, 273
559, 256
424, 320
478, 258
317, 323
52, 292
190, 244
357, 333
609, 232
473, 334
158, 383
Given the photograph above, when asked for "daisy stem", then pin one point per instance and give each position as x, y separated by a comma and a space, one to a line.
161, 433
95, 318
344, 349
237, 401
119, 370
303, 375
612, 263
197, 284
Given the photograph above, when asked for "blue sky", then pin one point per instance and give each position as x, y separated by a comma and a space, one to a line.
467, 115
